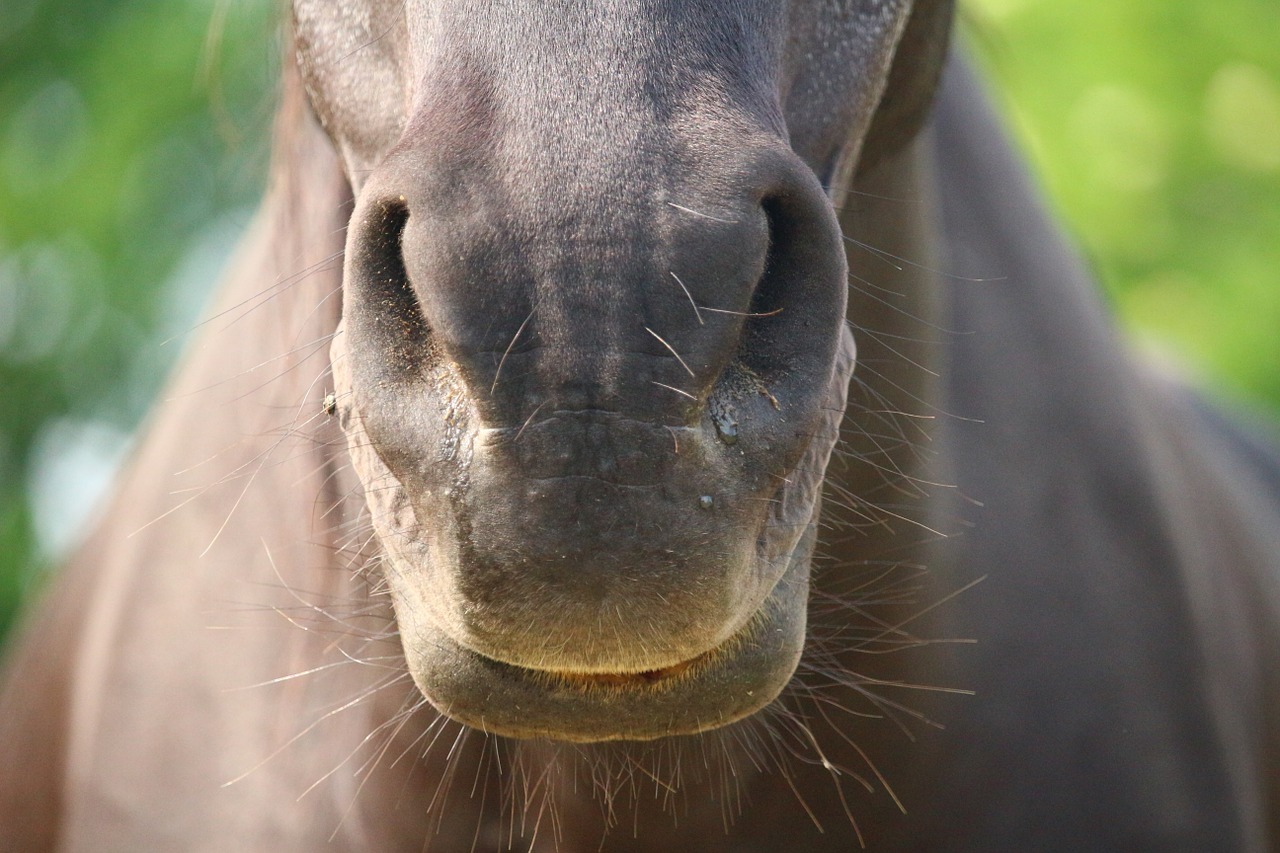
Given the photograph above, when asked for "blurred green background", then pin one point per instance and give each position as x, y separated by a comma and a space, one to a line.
133, 148
1155, 127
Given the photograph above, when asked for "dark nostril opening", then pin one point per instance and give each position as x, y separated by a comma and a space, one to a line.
770, 299
391, 305
793, 326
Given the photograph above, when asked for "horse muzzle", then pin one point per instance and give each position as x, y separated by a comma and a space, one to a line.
591, 419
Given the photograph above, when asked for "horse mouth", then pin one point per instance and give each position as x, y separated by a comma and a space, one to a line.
732, 680
590, 683
648, 678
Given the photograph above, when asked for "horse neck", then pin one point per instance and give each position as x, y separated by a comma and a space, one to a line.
256, 506
1088, 484
987, 369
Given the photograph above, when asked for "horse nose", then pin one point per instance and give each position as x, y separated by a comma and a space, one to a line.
595, 379
629, 296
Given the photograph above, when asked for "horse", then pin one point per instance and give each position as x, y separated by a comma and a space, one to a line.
637, 426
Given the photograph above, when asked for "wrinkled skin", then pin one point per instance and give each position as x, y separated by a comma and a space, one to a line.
594, 358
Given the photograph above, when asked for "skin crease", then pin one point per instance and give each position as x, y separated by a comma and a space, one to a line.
327, 611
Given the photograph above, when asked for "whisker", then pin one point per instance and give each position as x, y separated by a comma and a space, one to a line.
677, 390
699, 213
672, 350
775, 312
507, 351
696, 312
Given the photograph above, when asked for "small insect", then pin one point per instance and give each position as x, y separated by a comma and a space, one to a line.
706, 502
330, 404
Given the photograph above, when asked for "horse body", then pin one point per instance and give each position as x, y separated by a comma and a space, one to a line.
1137, 578
1125, 628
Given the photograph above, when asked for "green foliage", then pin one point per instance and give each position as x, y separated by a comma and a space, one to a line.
1155, 126
121, 164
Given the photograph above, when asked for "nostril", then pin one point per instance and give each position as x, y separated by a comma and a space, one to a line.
392, 311
770, 299
797, 307
767, 300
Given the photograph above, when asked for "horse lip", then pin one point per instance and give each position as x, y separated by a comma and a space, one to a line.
732, 680
634, 677
645, 678
605, 697
631, 680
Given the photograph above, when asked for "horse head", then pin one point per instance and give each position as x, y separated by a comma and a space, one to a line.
594, 353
